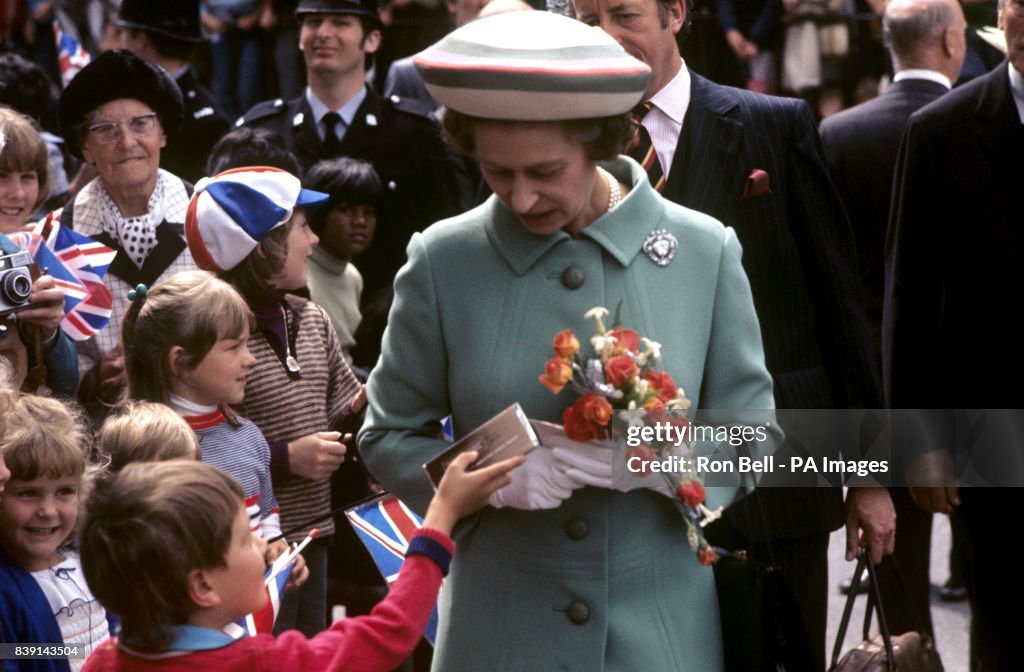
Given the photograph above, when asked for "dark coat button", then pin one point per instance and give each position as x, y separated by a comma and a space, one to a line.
577, 529
573, 277
579, 613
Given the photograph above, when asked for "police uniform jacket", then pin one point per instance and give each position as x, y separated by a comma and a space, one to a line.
607, 581
402, 142
203, 124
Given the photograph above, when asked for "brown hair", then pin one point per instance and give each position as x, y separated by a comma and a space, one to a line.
143, 431
192, 309
604, 138
252, 275
146, 528
44, 437
22, 149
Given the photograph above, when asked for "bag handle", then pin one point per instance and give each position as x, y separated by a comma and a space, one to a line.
862, 562
915, 613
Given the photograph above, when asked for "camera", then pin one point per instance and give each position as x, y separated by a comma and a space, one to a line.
17, 271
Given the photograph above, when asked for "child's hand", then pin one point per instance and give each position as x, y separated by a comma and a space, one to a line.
300, 572
316, 456
274, 550
463, 492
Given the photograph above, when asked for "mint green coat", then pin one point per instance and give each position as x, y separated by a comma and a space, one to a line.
607, 581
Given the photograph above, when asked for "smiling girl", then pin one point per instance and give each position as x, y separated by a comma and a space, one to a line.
43, 596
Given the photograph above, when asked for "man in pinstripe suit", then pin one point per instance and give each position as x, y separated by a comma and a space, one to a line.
755, 163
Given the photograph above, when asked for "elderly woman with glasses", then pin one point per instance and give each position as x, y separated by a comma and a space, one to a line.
576, 564
116, 115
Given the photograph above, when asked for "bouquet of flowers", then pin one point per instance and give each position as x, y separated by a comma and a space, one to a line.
620, 379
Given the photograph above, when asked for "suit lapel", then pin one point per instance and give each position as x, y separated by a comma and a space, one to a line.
998, 128
307, 145
706, 172
363, 132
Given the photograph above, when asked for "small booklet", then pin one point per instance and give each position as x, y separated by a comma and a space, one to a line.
505, 435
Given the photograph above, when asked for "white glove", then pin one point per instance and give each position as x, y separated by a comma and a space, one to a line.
538, 483
594, 464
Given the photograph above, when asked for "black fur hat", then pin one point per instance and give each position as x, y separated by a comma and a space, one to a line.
114, 75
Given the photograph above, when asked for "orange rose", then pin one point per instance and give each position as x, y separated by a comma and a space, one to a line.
645, 454
557, 373
655, 408
691, 492
706, 556
565, 344
577, 427
596, 409
619, 369
663, 383
625, 339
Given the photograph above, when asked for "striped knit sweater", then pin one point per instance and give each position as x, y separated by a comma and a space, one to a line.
239, 449
288, 406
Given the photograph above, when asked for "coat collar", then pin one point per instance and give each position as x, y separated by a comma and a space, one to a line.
620, 232
712, 131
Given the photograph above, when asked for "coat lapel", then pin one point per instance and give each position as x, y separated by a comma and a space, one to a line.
706, 173
998, 129
307, 145
363, 133
169, 244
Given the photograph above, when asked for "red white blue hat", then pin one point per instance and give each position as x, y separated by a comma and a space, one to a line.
532, 66
233, 211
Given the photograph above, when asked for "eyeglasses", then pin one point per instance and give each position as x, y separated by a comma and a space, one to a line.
139, 126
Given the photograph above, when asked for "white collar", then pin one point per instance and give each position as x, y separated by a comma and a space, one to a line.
674, 98
1017, 89
921, 73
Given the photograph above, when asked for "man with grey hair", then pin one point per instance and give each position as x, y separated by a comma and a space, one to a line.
926, 41
954, 260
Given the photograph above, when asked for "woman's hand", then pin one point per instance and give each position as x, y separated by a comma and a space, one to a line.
317, 456
540, 483
46, 309
462, 492
592, 464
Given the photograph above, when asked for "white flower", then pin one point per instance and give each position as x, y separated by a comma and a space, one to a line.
595, 313
653, 348
602, 344
616, 394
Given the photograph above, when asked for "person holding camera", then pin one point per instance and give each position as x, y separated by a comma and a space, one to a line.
31, 310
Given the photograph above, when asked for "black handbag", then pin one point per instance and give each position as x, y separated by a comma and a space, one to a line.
762, 629
909, 652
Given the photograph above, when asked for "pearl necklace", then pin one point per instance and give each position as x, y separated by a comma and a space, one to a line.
614, 191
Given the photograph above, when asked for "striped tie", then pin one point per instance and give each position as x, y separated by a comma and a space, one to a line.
643, 149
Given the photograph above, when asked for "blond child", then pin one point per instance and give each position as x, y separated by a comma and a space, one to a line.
43, 596
143, 431
176, 532
184, 345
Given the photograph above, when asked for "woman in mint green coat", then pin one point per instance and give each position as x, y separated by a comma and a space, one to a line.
557, 574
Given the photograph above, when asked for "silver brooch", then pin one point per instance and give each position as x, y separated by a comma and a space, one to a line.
660, 246
297, 119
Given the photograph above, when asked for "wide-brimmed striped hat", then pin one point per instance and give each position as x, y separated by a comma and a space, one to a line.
230, 213
532, 66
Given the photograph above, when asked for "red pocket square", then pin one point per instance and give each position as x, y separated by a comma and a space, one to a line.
757, 184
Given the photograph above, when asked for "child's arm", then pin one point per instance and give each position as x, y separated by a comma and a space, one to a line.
384, 638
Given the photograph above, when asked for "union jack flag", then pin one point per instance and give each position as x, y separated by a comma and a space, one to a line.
77, 263
70, 54
262, 621
385, 525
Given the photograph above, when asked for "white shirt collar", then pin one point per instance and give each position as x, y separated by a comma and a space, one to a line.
674, 98
1017, 89
921, 73
347, 112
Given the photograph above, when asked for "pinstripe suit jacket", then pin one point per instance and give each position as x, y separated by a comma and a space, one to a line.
799, 254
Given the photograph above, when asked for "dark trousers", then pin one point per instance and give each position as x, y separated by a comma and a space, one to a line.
908, 610
997, 619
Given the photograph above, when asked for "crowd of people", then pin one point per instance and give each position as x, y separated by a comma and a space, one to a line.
301, 299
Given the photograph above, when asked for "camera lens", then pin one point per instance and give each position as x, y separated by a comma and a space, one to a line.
16, 288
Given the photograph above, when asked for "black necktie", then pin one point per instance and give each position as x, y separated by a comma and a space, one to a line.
643, 149
331, 143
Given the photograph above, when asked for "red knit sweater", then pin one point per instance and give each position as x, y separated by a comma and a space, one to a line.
377, 642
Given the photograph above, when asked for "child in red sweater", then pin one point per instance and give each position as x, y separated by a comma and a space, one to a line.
167, 546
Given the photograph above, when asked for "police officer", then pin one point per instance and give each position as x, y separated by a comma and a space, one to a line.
340, 115
166, 34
